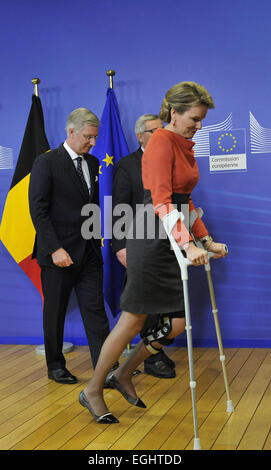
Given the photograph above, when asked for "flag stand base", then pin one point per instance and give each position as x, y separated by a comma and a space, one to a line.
126, 352
128, 349
67, 347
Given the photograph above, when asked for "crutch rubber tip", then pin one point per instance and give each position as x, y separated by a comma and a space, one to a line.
230, 407
197, 445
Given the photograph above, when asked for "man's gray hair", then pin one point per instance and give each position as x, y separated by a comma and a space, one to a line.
140, 123
79, 117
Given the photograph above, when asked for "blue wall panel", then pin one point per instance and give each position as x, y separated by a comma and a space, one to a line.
152, 45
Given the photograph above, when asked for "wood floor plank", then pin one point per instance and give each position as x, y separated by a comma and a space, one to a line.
267, 444
37, 413
8, 353
178, 436
43, 411
259, 426
19, 400
156, 406
236, 426
10, 368
50, 434
148, 387
7, 349
164, 428
38, 408
23, 376
216, 397
246, 364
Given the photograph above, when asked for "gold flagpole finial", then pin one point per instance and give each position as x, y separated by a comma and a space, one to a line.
35, 82
110, 74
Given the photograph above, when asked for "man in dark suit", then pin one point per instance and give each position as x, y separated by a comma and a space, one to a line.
62, 181
128, 189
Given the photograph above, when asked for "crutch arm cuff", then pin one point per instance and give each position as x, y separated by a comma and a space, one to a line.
173, 224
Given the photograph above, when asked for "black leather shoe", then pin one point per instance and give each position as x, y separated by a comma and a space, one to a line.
107, 418
164, 357
107, 383
160, 356
62, 376
114, 383
159, 369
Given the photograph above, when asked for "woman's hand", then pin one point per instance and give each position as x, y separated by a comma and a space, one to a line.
196, 255
217, 248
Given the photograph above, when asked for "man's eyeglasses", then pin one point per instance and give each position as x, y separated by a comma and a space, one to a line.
152, 130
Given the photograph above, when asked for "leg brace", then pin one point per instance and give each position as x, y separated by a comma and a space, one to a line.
158, 333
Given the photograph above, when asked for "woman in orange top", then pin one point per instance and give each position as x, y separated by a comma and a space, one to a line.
154, 285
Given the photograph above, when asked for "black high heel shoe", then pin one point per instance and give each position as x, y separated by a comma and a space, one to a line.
107, 418
114, 383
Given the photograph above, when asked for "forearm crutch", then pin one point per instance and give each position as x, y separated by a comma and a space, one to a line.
169, 222
230, 407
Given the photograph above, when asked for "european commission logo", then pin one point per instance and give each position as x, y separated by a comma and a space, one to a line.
6, 158
228, 150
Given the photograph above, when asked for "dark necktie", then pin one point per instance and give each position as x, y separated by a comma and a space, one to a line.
80, 172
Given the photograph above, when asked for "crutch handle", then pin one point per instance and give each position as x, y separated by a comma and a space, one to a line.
194, 214
226, 248
211, 254
186, 262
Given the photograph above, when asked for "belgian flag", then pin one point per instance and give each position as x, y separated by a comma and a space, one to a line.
17, 232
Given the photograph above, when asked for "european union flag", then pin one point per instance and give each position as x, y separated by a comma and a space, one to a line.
110, 146
230, 142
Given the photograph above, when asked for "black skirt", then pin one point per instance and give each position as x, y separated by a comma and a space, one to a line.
153, 283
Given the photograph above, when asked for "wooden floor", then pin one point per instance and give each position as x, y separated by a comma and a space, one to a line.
37, 413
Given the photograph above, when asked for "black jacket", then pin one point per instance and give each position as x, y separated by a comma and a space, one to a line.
127, 188
56, 198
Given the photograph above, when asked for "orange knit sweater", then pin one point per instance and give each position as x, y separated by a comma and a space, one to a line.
169, 166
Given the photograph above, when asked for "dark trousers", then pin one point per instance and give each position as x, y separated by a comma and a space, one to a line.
57, 284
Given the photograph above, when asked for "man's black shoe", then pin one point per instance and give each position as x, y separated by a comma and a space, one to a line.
62, 376
159, 369
160, 356
166, 359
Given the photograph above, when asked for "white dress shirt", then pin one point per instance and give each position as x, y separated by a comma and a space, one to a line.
73, 156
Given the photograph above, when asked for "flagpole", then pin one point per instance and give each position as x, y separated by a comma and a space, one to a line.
67, 347
110, 73
36, 82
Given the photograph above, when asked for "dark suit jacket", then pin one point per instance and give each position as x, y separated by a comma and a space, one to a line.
56, 198
127, 188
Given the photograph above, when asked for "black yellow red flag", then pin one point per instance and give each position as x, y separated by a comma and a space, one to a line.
17, 232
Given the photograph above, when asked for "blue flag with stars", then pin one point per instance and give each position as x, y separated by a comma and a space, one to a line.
110, 146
